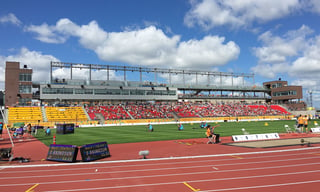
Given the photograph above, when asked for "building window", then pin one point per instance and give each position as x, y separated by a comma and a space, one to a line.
25, 88
57, 91
276, 85
25, 77
84, 91
24, 101
284, 93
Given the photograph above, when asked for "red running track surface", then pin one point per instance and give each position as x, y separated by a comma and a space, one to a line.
279, 169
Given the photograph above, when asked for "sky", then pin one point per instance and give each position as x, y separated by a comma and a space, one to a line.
271, 39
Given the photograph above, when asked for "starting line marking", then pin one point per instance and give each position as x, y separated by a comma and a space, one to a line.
193, 189
31, 188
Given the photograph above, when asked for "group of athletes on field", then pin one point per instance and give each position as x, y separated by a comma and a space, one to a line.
302, 123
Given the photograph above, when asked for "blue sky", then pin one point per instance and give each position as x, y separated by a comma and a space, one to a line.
269, 38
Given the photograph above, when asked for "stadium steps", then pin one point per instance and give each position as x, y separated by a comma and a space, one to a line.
175, 116
86, 113
4, 115
127, 112
99, 117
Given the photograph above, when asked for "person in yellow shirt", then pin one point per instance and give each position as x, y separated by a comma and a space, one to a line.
300, 123
210, 135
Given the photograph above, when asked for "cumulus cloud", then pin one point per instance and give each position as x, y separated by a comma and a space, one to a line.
39, 62
46, 33
214, 13
10, 18
308, 64
148, 46
277, 52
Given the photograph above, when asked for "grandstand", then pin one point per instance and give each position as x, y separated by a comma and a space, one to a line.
65, 114
88, 101
24, 114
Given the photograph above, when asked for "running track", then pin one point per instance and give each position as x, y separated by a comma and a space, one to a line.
294, 169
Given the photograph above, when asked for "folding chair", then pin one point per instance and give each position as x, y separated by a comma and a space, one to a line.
288, 129
211, 139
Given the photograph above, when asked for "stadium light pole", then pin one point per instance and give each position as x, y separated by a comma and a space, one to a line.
310, 94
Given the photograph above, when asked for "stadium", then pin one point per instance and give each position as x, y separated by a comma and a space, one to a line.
103, 101
110, 121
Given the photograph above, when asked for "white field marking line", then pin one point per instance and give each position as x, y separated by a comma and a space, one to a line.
161, 169
194, 181
264, 186
160, 164
175, 174
161, 159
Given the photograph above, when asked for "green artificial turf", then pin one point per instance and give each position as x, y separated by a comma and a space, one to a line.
139, 133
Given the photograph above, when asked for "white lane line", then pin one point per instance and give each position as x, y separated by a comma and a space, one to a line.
177, 174
161, 159
160, 164
207, 180
171, 168
264, 186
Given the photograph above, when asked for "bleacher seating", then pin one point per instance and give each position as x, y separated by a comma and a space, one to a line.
183, 110
62, 114
149, 111
158, 110
24, 114
109, 112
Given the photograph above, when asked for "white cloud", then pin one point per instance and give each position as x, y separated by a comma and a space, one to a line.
313, 5
213, 13
308, 64
46, 33
295, 54
277, 52
39, 62
210, 51
83, 74
149, 46
10, 18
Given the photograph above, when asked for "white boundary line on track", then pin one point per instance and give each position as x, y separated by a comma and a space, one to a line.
160, 159
177, 174
172, 168
172, 163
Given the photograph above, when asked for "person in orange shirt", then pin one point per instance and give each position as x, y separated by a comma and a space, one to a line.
210, 135
300, 123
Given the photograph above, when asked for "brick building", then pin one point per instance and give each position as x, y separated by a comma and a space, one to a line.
18, 84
